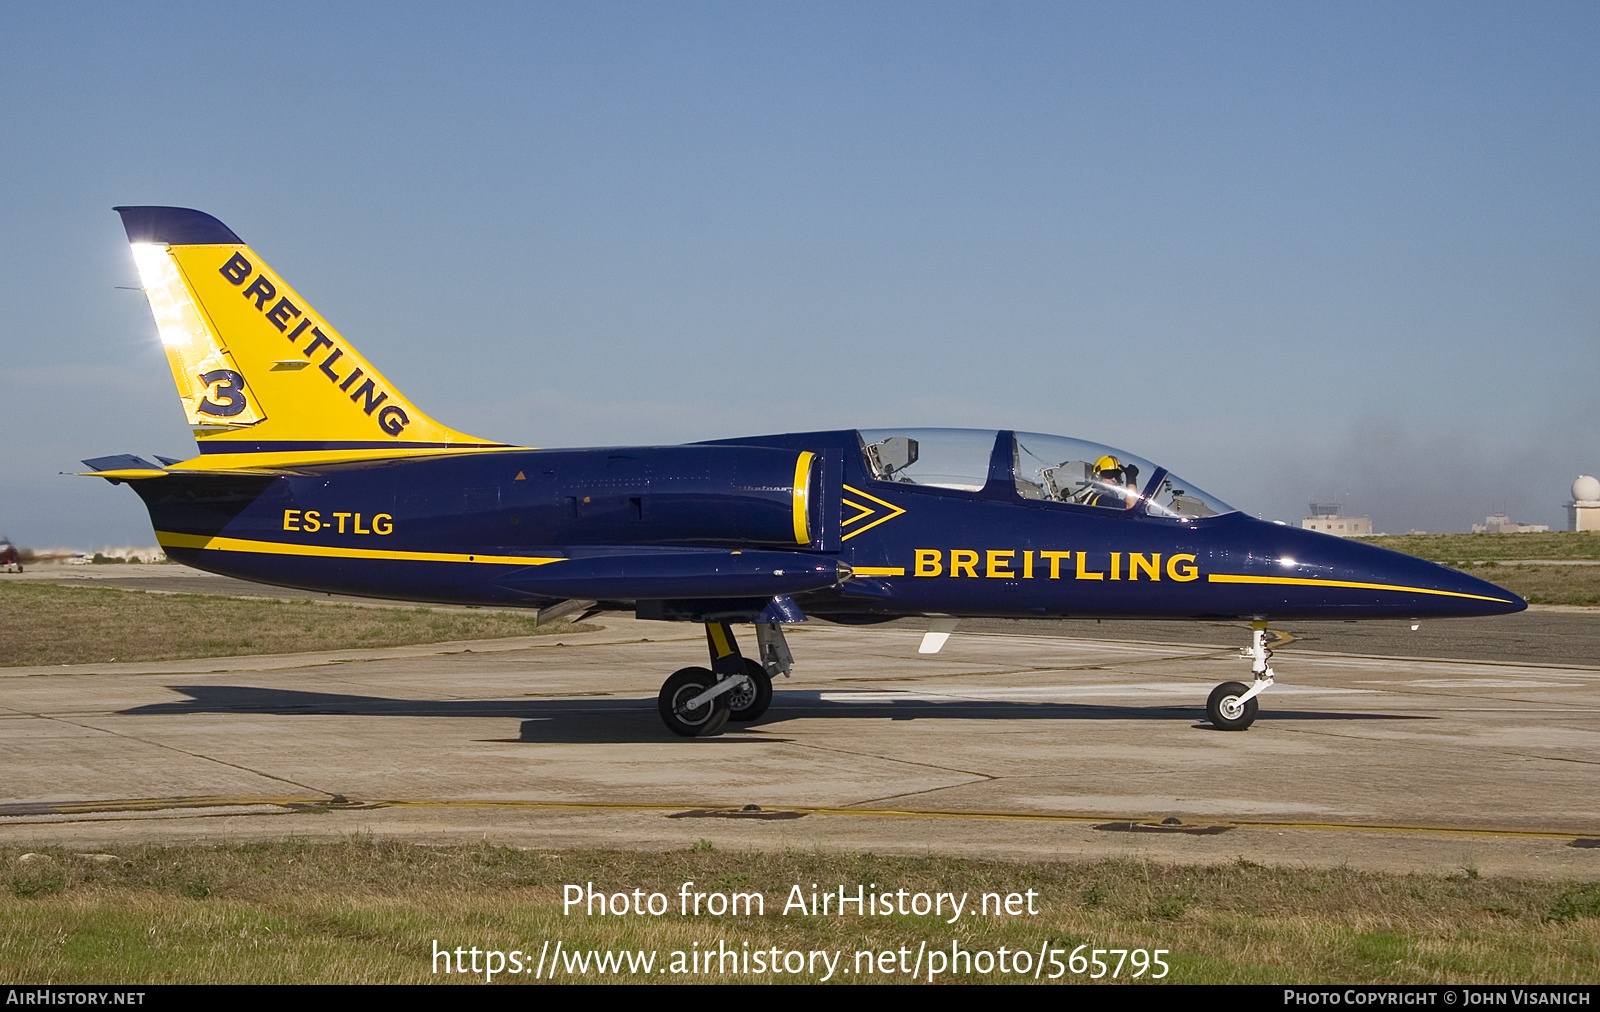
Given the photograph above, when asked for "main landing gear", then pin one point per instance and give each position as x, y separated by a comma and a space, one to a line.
1232, 705
698, 702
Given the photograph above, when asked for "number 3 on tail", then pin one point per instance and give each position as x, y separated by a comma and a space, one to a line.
228, 387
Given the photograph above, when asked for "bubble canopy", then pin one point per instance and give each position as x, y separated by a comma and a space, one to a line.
1045, 468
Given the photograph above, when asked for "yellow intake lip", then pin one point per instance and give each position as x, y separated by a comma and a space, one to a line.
802, 498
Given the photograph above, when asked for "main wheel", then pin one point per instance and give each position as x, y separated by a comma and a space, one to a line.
1226, 712
702, 721
751, 701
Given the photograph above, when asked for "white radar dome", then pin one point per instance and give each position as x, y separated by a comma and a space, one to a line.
1586, 488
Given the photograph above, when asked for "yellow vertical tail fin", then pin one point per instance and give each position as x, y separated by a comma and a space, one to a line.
264, 380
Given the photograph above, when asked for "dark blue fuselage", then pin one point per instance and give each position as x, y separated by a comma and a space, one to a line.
719, 530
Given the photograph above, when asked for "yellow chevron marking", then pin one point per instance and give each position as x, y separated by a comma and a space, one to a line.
867, 511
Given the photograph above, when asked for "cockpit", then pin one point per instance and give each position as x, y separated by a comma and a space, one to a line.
1052, 469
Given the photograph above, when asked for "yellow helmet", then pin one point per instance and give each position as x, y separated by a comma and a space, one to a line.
1108, 463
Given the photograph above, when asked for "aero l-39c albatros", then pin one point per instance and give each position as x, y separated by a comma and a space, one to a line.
314, 472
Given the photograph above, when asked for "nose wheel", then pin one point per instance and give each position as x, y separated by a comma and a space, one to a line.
1232, 706
1227, 708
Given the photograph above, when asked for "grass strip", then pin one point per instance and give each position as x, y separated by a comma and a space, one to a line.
1462, 549
368, 910
47, 624
1569, 585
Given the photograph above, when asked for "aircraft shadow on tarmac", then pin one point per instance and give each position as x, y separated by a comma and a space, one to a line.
605, 719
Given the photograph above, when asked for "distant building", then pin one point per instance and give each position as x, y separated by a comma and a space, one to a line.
1499, 523
1583, 512
1325, 518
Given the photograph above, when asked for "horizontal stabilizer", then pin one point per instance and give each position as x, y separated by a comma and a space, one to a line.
128, 467
120, 462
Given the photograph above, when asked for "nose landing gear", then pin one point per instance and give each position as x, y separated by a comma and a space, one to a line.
1232, 705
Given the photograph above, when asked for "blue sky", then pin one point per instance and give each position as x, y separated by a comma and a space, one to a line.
1291, 251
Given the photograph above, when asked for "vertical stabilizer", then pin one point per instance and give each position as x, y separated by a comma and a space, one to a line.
264, 379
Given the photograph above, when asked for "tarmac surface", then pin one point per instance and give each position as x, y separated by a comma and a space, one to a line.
1463, 745
1542, 635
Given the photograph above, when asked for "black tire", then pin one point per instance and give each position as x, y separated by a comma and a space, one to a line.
751, 702
1223, 708
701, 722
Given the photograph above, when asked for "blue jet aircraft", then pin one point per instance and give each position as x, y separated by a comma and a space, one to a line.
314, 472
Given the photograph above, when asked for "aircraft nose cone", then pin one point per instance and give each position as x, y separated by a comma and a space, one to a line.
1472, 592
1361, 580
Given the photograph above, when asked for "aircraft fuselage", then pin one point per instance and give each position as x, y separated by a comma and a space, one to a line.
714, 525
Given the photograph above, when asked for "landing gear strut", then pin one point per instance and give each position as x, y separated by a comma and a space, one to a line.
697, 702
1232, 705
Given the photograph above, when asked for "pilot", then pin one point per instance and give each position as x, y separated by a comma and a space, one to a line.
1116, 484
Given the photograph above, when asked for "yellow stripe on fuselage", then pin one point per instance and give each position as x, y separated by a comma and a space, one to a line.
1295, 581
169, 539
